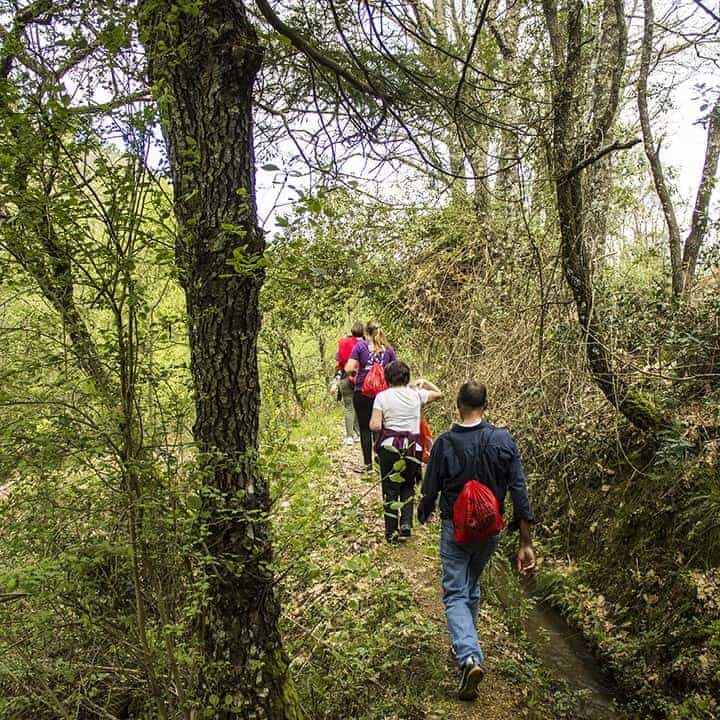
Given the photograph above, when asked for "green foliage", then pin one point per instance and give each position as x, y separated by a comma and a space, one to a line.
636, 516
347, 613
648, 610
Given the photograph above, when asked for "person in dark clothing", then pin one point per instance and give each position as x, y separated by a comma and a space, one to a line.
495, 457
396, 421
366, 353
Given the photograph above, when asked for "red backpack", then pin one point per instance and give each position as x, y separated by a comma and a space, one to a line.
476, 513
374, 381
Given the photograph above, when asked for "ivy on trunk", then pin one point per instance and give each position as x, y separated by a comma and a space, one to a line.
203, 61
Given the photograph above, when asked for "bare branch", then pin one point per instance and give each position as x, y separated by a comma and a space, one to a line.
705, 8
318, 57
592, 159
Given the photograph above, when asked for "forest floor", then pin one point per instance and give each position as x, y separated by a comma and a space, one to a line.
359, 570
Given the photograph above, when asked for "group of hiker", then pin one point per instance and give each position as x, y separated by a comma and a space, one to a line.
470, 470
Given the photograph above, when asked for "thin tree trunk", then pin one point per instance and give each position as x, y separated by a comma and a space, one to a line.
456, 158
698, 225
507, 190
653, 154
203, 66
478, 159
683, 259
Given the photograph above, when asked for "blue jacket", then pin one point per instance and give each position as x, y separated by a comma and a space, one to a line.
490, 454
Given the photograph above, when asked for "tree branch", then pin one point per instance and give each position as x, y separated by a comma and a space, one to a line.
704, 7
320, 58
592, 159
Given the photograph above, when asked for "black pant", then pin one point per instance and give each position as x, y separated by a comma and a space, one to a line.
363, 409
398, 492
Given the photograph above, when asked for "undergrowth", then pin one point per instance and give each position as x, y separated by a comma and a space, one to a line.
633, 539
360, 648
361, 645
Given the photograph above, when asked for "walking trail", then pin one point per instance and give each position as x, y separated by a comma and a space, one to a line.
535, 665
505, 690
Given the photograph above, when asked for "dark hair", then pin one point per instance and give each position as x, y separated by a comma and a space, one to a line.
357, 329
397, 373
472, 395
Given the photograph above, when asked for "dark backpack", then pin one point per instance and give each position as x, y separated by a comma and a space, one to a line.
476, 512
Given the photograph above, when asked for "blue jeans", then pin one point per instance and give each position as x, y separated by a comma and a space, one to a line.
462, 566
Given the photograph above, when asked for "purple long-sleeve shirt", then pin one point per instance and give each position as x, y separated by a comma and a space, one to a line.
366, 359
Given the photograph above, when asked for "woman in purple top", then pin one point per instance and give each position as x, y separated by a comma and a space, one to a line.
366, 353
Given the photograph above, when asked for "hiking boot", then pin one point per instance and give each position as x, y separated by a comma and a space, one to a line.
472, 674
348, 440
405, 532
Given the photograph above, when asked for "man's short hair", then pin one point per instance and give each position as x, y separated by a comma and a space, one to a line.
397, 373
472, 395
357, 329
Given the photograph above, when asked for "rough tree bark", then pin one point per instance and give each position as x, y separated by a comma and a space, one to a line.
579, 135
203, 64
683, 259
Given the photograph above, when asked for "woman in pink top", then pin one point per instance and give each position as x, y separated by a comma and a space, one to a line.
345, 348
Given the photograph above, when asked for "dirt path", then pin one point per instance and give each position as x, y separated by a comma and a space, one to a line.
505, 694
500, 699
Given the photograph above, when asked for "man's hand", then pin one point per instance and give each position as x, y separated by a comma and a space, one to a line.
525, 559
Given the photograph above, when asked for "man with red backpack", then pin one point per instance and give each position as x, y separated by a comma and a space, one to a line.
472, 467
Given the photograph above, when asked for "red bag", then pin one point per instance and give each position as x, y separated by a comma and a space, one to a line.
425, 439
374, 381
476, 513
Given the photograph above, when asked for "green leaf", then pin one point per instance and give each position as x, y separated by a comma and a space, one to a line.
314, 205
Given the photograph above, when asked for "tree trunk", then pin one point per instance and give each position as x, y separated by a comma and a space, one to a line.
478, 159
456, 159
508, 188
203, 64
652, 151
699, 223
577, 264
575, 146
683, 260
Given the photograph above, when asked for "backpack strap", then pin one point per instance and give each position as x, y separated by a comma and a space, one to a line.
461, 456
